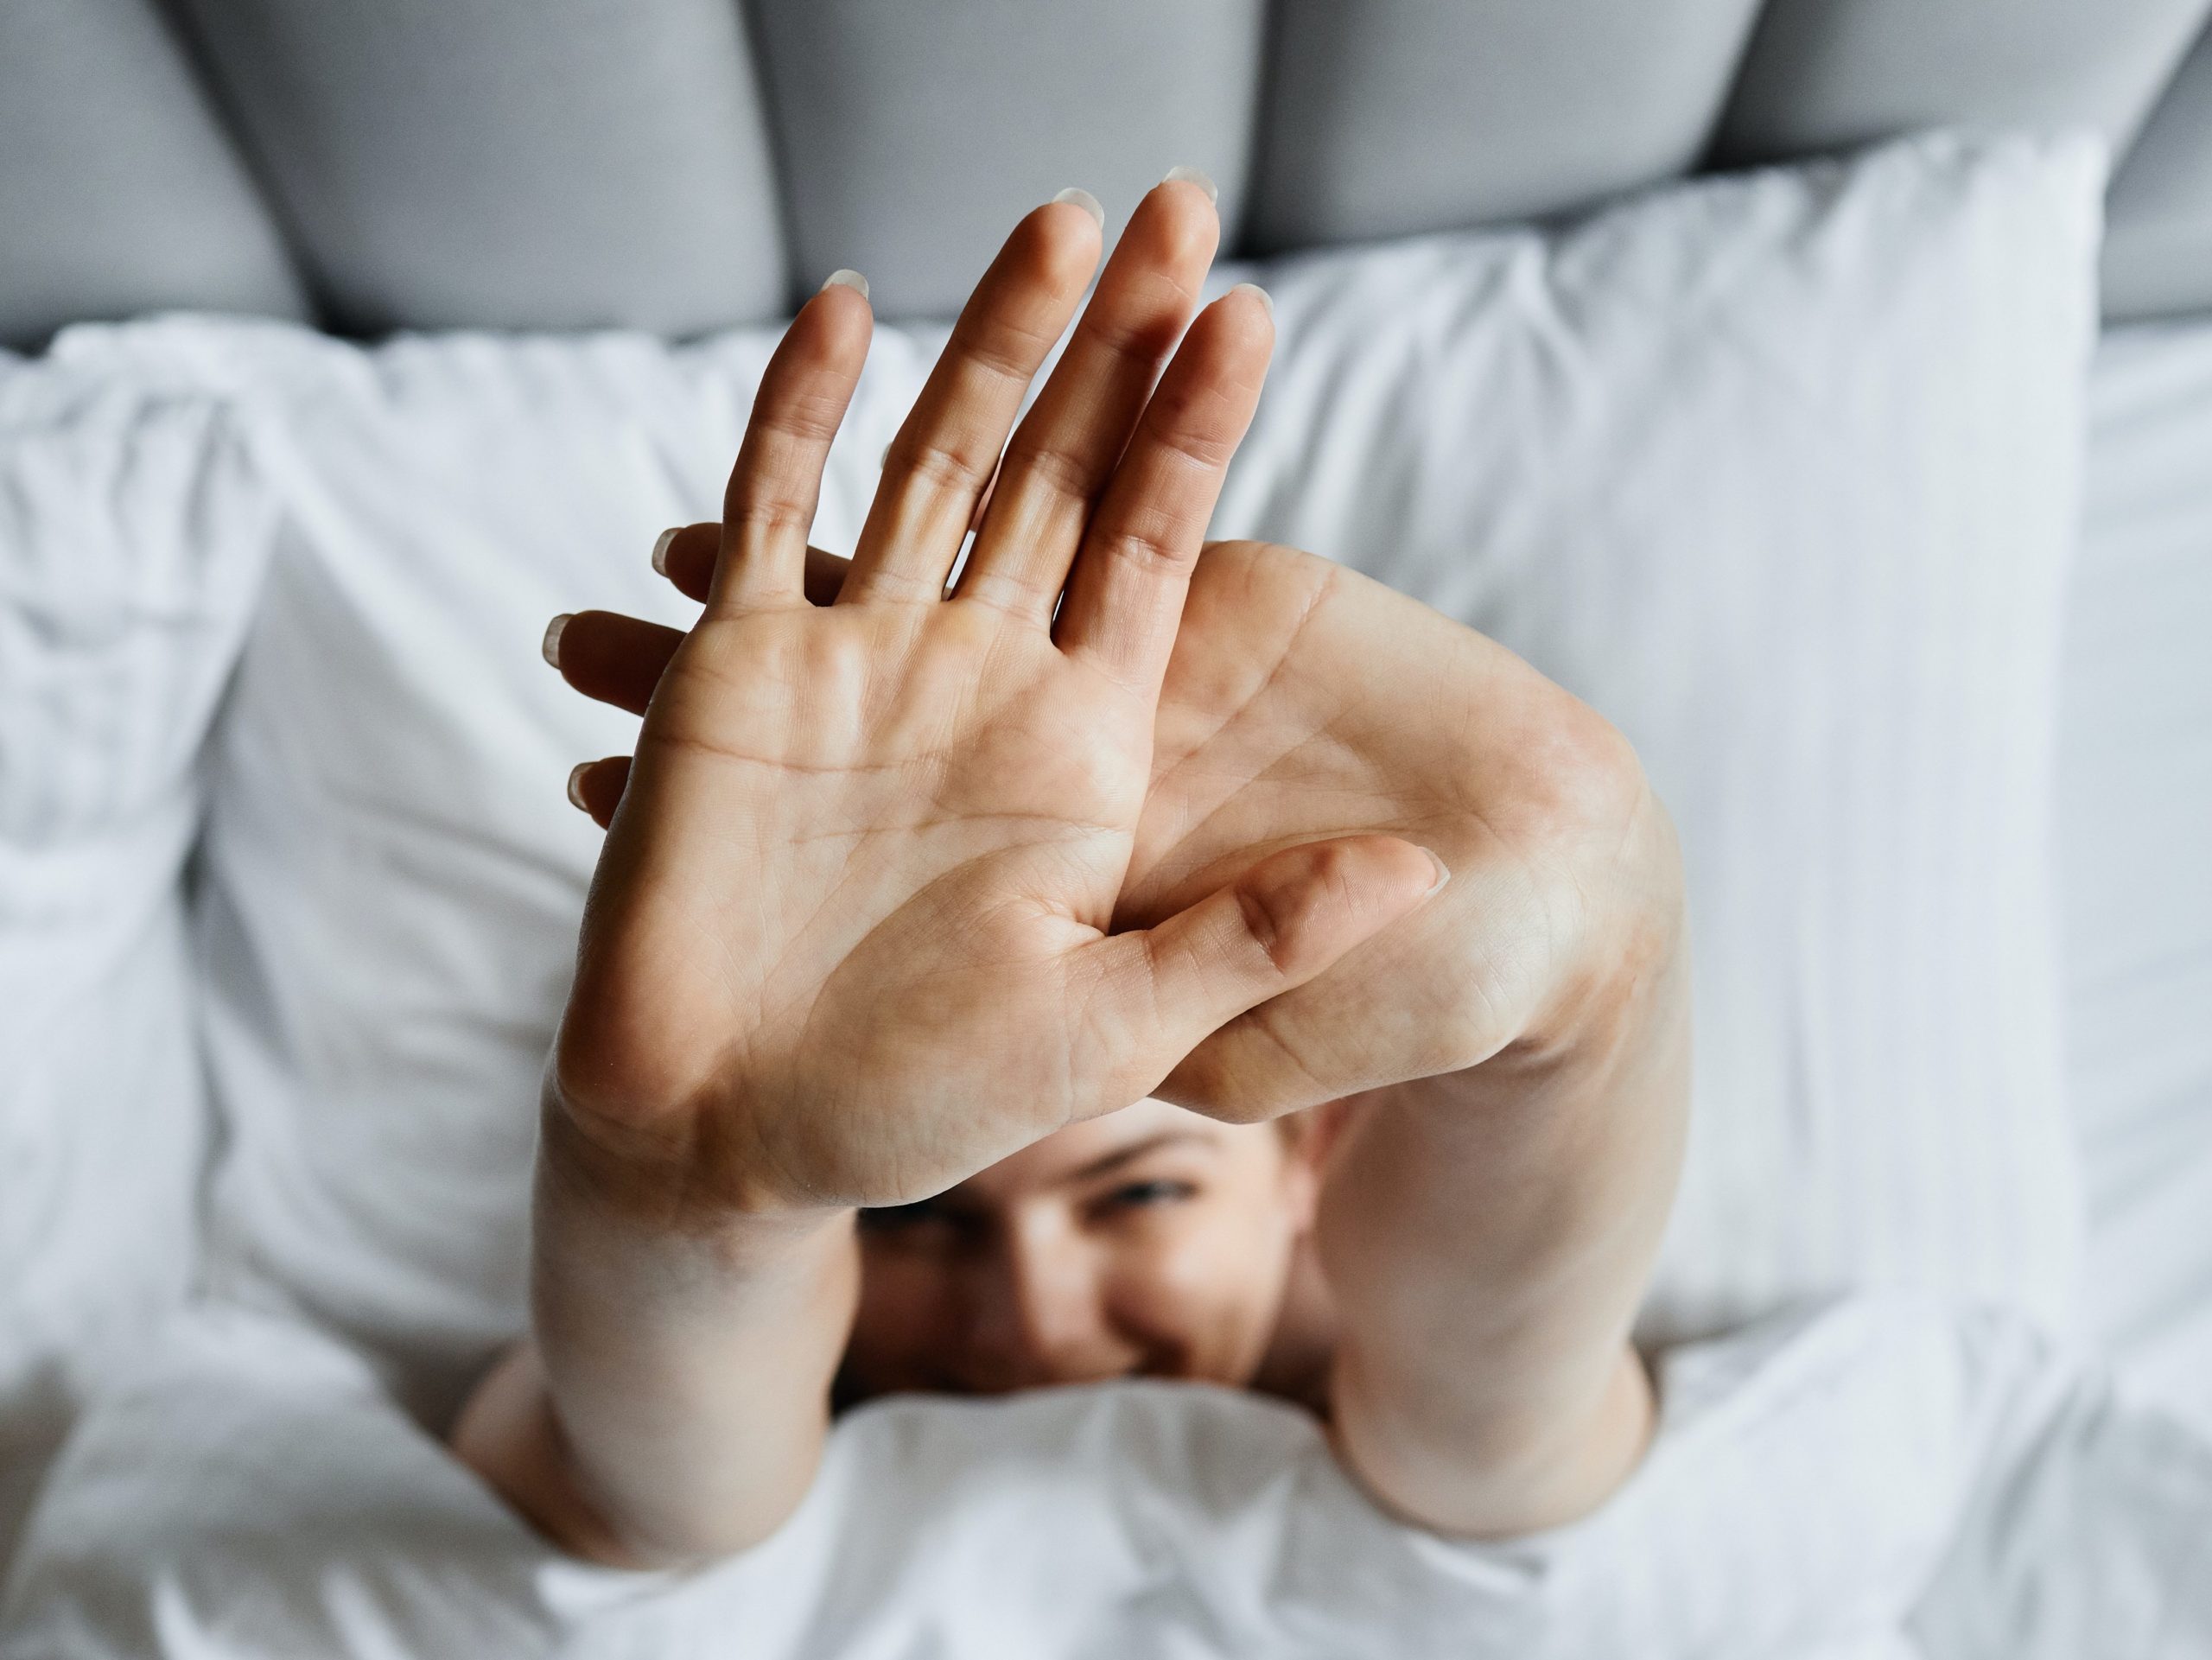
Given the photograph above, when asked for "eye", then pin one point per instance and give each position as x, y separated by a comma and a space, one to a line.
1146, 1195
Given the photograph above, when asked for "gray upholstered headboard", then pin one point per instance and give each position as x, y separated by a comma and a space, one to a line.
681, 165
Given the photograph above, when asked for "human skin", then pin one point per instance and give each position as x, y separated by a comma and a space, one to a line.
1152, 1243
900, 885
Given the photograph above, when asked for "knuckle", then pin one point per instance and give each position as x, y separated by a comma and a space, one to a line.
1057, 468
1003, 349
1153, 543
777, 479
801, 417
1264, 921
1206, 450
1194, 424
812, 415
1140, 335
1283, 912
770, 513
1002, 343
955, 466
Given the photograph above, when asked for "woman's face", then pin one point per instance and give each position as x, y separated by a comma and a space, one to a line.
1150, 1242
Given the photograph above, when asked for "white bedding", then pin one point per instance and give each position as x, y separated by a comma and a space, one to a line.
132, 535
1878, 1479
251, 1489
2135, 836
1781, 472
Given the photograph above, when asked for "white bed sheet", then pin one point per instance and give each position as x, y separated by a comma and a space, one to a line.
2135, 833
252, 1490
1883, 1476
2135, 828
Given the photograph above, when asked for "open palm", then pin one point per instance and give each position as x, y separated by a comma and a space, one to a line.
852, 934
1303, 701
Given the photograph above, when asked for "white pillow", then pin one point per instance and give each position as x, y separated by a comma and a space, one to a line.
1782, 473
132, 538
2134, 823
1779, 470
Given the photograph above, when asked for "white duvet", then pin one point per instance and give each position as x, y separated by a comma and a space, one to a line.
1882, 1477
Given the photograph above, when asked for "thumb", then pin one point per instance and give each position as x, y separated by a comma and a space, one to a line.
1163, 989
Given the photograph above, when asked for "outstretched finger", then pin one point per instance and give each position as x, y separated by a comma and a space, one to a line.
596, 787
768, 506
938, 465
1125, 596
686, 556
1063, 452
610, 657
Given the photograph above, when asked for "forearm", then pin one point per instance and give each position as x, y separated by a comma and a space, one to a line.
674, 1399
1487, 1236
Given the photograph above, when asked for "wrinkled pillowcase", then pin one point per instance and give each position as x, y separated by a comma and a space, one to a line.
133, 536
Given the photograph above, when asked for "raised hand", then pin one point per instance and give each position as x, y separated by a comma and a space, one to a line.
898, 882
848, 938
1304, 700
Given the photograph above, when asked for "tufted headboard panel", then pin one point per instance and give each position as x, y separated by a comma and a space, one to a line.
681, 165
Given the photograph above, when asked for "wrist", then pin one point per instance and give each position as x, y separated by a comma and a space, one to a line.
687, 1348
677, 1181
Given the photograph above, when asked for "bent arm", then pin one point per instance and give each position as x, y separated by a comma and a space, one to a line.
672, 1404
1487, 1236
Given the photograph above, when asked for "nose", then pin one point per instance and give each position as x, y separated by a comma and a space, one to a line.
1041, 1314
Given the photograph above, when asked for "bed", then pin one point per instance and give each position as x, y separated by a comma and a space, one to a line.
280, 272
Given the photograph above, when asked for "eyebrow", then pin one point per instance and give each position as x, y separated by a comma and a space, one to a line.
1135, 1150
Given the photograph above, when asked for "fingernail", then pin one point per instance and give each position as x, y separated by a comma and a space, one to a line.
662, 544
552, 645
1191, 176
1443, 873
1261, 294
1086, 202
842, 278
576, 787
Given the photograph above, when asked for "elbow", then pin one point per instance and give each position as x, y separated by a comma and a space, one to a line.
1499, 1470
509, 1437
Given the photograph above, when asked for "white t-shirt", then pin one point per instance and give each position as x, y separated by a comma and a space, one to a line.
1880, 1478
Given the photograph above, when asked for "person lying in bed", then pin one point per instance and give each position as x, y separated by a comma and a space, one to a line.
907, 897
